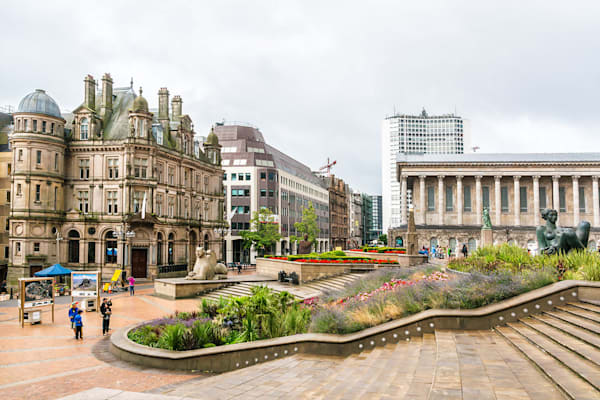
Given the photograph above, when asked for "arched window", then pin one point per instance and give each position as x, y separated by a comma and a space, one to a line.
159, 249
73, 246
171, 248
206, 242
472, 245
83, 129
111, 247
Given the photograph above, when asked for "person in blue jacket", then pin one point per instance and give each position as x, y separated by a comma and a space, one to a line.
78, 325
72, 313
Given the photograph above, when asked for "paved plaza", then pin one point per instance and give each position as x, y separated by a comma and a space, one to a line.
45, 362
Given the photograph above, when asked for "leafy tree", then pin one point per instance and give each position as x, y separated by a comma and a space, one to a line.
308, 226
264, 231
383, 238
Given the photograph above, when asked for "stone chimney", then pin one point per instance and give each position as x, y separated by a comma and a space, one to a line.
107, 97
90, 92
163, 104
176, 107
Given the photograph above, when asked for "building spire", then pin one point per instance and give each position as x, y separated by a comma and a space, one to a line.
131, 83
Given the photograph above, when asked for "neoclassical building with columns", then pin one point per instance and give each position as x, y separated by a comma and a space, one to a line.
449, 193
111, 185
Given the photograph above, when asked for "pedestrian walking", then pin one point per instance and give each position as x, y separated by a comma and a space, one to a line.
106, 311
79, 325
449, 252
131, 280
239, 267
73, 311
465, 251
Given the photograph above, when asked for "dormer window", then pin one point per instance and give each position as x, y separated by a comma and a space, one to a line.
83, 129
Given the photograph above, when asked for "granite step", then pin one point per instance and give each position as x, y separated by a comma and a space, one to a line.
572, 343
580, 333
592, 316
585, 369
575, 320
572, 384
586, 307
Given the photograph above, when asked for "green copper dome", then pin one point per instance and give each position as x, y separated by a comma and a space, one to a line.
140, 104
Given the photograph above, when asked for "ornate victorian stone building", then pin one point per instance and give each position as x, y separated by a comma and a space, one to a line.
451, 191
111, 185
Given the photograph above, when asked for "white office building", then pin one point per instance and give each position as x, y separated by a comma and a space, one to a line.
414, 134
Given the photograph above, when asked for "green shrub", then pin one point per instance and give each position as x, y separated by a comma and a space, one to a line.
172, 337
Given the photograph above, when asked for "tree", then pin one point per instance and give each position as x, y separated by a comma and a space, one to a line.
308, 226
264, 231
383, 238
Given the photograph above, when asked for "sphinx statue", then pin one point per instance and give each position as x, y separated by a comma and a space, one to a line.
206, 266
552, 239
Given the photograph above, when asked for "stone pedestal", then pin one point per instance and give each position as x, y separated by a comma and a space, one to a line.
487, 237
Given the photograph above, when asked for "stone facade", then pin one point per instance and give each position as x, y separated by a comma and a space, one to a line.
338, 212
111, 185
450, 193
5, 196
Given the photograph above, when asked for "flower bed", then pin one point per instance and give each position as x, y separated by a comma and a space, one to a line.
382, 250
332, 257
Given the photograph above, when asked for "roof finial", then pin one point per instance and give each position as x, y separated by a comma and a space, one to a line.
131, 83
140, 90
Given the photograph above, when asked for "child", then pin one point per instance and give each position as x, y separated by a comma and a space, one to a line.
72, 313
131, 280
79, 325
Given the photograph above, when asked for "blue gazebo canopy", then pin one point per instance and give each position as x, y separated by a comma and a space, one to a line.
55, 270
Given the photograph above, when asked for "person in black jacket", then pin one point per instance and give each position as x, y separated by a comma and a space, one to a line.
106, 311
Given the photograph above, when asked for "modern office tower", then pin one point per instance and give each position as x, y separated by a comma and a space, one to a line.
376, 217
414, 134
258, 175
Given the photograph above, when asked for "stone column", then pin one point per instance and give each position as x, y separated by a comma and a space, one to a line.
441, 199
536, 200
575, 179
596, 206
478, 198
403, 192
459, 200
497, 199
555, 193
422, 210
517, 200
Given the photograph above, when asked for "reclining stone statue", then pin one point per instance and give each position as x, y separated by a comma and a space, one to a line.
206, 266
552, 239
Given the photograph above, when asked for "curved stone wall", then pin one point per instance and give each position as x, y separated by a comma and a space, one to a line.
235, 356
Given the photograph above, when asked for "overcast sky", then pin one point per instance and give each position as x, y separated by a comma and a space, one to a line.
318, 77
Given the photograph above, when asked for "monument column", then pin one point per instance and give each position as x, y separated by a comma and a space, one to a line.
459, 200
422, 209
596, 206
478, 198
555, 193
536, 200
441, 199
517, 200
403, 193
497, 199
575, 179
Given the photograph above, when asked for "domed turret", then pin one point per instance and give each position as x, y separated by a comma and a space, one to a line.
212, 148
140, 104
212, 138
39, 102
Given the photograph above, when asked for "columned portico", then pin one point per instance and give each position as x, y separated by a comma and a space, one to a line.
403, 205
595, 200
575, 180
555, 192
441, 199
497, 201
478, 197
536, 200
517, 200
459, 200
422, 209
